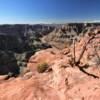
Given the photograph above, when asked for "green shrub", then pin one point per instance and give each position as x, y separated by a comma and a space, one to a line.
42, 67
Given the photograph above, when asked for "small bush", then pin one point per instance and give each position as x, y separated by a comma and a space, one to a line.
42, 67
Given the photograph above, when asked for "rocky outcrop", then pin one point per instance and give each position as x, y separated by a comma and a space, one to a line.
22, 40
63, 82
62, 37
16, 46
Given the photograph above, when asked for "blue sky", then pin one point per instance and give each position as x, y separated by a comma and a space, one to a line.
48, 11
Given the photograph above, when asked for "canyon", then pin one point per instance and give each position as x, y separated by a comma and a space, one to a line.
25, 48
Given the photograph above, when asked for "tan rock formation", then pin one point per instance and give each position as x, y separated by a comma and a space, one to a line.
62, 83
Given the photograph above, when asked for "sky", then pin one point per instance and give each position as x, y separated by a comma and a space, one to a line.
48, 11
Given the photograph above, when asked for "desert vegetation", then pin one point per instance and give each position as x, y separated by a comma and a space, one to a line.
42, 67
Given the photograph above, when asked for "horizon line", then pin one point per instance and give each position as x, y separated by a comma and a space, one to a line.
50, 23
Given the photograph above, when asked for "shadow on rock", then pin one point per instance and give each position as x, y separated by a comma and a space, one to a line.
8, 63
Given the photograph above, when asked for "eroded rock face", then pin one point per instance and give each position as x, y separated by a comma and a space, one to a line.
8, 63
12, 43
16, 46
92, 53
61, 37
21, 38
63, 82
22, 30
